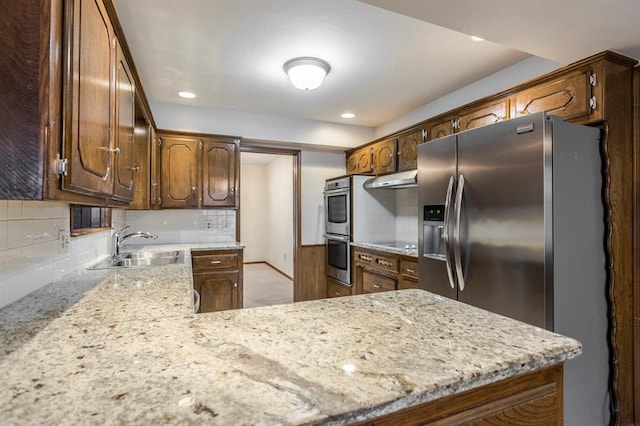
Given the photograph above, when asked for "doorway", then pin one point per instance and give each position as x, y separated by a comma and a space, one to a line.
268, 224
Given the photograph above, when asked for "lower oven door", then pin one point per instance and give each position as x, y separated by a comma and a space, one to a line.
339, 257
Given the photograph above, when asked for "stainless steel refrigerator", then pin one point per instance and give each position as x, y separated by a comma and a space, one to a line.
512, 222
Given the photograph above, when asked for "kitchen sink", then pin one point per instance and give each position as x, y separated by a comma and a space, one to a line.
142, 258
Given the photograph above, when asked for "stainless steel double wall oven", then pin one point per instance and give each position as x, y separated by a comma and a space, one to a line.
337, 201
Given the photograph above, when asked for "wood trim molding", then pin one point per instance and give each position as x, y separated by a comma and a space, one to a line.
636, 241
249, 146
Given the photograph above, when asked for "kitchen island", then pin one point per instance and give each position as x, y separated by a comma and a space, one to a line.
124, 346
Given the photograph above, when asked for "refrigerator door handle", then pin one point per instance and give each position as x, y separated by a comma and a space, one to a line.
457, 211
447, 253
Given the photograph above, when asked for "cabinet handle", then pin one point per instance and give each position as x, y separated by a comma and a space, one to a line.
376, 286
411, 271
337, 293
216, 262
235, 285
116, 150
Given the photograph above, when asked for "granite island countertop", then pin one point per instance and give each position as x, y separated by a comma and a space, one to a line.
123, 346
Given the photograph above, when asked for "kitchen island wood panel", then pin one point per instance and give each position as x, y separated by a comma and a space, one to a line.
312, 277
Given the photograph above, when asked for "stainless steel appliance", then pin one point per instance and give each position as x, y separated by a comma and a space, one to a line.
337, 197
512, 221
337, 201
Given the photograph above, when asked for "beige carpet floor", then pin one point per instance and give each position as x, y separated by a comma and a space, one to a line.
265, 286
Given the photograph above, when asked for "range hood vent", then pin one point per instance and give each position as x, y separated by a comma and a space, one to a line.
407, 179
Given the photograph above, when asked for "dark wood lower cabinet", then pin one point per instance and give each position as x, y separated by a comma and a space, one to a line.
217, 279
376, 271
530, 399
337, 289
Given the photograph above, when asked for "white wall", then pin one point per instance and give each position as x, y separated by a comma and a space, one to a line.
253, 222
258, 126
280, 214
316, 168
502, 80
32, 251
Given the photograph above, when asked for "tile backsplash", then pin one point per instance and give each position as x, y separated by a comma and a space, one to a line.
36, 249
185, 226
407, 215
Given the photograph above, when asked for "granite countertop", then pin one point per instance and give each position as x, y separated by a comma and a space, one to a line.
412, 251
123, 346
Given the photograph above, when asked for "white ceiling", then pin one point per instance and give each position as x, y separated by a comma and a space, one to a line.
383, 64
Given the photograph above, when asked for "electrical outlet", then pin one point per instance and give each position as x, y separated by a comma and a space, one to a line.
208, 225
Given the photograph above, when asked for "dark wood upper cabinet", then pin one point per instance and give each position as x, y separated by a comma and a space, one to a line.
384, 157
88, 99
440, 128
360, 161
125, 123
483, 115
408, 150
199, 171
220, 175
179, 180
569, 96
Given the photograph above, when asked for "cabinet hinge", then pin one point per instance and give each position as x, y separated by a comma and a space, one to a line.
61, 165
113, 42
592, 102
159, 201
200, 145
159, 142
424, 135
593, 79
455, 124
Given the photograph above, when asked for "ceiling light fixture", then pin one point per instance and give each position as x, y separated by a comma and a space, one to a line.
476, 38
187, 95
348, 115
306, 73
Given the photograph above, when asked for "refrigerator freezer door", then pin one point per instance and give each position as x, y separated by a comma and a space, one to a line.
502, 229
436, 169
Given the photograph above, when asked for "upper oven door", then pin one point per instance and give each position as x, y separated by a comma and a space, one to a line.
337, 211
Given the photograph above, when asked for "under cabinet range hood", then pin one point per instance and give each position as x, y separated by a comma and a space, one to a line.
406, 179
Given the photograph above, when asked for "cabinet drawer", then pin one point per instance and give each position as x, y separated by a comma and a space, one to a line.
407, 283
336, 289
229, 261
373, 283
385, 262
408, 268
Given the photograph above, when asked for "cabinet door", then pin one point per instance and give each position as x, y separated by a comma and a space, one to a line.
219, 173
365, 160
218, 291
439, 129
179, 185
408, 150
124, 125
384, 157
142, 142
352, 163
88, 99
407, 283
335, 289
568, 96
481, 116
373, 282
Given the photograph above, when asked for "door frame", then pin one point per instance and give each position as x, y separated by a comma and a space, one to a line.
268, 147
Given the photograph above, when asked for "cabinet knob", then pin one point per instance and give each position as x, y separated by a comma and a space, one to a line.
235, 285
337, 293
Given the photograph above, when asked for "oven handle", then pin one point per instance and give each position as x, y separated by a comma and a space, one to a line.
336, 191
344, 238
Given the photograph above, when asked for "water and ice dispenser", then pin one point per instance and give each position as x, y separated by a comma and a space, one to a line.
433, 231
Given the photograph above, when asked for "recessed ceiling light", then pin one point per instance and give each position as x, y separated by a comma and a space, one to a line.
188, 95
347, 115
476, 38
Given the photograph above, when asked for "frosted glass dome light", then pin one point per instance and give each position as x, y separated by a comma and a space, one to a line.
306, 73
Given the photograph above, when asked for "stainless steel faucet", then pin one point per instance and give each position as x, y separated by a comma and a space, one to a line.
117, 240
